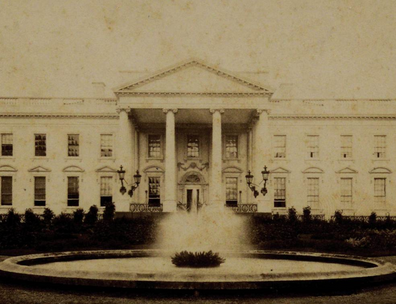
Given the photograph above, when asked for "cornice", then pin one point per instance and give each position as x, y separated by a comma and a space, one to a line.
193, 94
332, 117
62, 116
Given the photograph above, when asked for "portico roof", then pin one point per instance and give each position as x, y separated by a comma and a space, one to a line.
193, 78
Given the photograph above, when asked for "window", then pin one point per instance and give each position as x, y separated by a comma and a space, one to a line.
6, 145
154, 146
6, 190
106, 190
106, 145
346, 146
231, 146
346, 191
380, 191
313, 146
40, 144
73, 195
379, 146
231, 191
313, 192
154, 197
279, 146
73, 145
280, 192
193, 146
39, 191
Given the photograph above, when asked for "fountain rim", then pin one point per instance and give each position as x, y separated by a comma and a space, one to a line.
373, 271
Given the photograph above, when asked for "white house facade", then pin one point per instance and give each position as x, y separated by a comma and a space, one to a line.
193, 132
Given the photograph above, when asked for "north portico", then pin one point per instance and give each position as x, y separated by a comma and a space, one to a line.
193, 129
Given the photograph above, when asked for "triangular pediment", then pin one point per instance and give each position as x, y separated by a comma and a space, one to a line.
73, 169
192, 77
347, 170
313, 170
106, 169
380, 170
39, 169
280, 170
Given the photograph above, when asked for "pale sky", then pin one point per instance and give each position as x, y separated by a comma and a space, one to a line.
326, 48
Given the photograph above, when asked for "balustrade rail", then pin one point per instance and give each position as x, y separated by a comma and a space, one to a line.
145, 208
244, 208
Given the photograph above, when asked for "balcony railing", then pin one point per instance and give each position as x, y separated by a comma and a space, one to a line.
244, 208
145, 208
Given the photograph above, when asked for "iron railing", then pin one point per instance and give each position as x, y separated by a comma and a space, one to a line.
243, 208
313, 217
145, 208
365, 218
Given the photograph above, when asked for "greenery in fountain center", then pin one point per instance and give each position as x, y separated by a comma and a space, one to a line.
197, 259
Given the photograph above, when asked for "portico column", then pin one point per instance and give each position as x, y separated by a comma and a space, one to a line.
125, 149
170, 202
262, 156
216, 199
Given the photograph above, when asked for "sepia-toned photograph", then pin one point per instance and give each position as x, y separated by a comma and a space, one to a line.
196, 151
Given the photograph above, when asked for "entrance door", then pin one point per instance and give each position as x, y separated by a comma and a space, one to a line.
193, 198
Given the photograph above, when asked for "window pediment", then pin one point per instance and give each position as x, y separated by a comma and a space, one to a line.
153, 169
280, 170
347, 170
232, 170
106, 169
380, 170
7, 168
39, 169
73, 169
313, 170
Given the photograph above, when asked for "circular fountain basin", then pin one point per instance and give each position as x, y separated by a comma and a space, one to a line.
152, 269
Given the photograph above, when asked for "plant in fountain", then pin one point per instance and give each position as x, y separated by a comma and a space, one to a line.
197, 259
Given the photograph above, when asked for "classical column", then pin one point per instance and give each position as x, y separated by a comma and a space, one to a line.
261, 157
170, 201
125, 156
216, 185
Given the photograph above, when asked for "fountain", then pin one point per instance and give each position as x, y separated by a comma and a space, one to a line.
220, 231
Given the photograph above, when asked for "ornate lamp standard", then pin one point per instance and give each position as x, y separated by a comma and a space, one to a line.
249, 180
136, 177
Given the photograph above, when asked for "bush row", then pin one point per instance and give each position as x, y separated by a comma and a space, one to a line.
80, 230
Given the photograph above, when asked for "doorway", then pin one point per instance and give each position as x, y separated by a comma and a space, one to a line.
193, 195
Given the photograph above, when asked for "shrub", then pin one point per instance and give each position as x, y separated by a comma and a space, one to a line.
92, 216
48, 215
32, 221
63, 223
197, 259
372, 218
78, 216
292, 215
108, 214
338, 216
307, 214
13, 219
